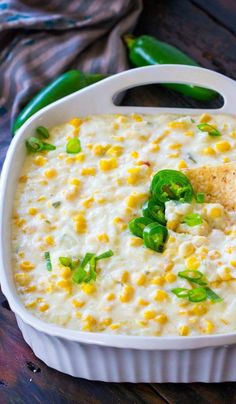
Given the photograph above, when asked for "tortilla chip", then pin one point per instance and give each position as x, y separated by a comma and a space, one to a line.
217, 182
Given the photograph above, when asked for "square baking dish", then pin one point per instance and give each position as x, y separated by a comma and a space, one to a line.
98, 356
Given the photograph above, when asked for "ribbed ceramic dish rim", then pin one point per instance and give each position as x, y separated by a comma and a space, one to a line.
99, 98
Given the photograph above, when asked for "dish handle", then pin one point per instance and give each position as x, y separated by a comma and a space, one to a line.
181, 74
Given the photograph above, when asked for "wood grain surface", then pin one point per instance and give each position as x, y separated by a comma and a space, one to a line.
206, 30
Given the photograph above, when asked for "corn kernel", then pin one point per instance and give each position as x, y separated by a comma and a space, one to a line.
161, 318
76, 122
134, 154
127, 294
173, 155
72, 193
183, 330
160, 295
74, 181
174, 146
186, 249
88, 171
120, 222
23, 179
178, 125
233, 264
215, 212
143, 323
143, 302
223, 146
100, 150
40, 161
182, 164
21, 254
169, 266
141, 280
149, 314
136, 117
135, 200
88, 202
27, 266
103, 237
204, 118
155, 148
80, 157
135, 242
32, 211
192, 263
209, 327
209, 151
158, 280
115, 326
49, 240
170, 277
50, 173
78, 303
65, 284
65, 272
189, 133
106, 321
124, 277
80, 224
199, 309
172, 224
43, 307
88, 288
226, 274
110, 296
31, 304
115, 151
161, 137
108, 164
22, 279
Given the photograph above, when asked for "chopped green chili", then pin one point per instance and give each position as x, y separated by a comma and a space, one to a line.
106, 254
205, 127
35, 145
65, 261
153, 211
73, 146
81, 274
154, 236
48, 260
213, 296
42, 131
197, 295
181, 293
137, 225
171, 185
193, 276
56, 204
200, 197
193, 219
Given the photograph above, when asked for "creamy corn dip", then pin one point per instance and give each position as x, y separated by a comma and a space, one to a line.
72, 204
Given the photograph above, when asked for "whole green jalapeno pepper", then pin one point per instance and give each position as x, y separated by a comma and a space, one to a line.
146, 50
63, 85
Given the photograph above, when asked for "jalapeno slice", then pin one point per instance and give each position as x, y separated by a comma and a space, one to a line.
171, 185
193, 276
197, 295
35, 145
154, 236
137, 225
154, 211
181, 293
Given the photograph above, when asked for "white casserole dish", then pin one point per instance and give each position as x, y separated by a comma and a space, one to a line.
97, 356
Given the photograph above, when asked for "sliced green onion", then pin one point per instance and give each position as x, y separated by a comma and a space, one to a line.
153, 211
48, 260
193, 276
213, 296
65, 261
106, 254
205, 127
181, 293
171, 185
193, 219
192, 120
42, 131
137, 225
197, 295
154, 236
200, 197
56, 204
73, 146
35, 145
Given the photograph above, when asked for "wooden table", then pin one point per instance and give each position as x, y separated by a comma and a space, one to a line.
206, 30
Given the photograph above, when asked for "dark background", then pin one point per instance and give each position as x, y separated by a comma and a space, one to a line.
206, 30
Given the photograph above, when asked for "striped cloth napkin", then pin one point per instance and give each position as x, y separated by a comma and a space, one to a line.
40, 40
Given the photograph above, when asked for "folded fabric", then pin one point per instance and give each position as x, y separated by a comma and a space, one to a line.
41, 40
